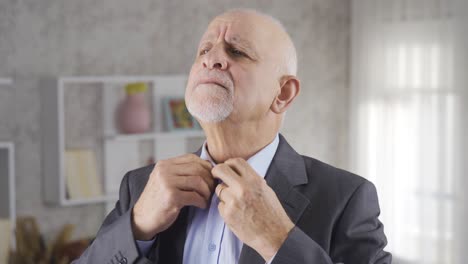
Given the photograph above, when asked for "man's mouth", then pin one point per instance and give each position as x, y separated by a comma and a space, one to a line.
212, 81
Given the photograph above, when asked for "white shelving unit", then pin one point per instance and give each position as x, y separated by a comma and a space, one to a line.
119, 152
7, 187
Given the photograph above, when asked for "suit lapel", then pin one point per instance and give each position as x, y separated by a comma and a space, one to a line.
286, 171
170, 245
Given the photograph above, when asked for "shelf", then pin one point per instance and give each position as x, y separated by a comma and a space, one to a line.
108, 79
79, 115
8, 187
95, 200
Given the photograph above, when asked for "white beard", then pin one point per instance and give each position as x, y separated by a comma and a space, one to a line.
210, 104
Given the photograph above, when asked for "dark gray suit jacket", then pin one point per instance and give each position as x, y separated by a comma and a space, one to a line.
335, 213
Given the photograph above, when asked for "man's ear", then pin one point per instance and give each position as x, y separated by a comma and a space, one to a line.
289, 89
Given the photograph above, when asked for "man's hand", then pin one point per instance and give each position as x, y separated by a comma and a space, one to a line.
173, 184
251, 208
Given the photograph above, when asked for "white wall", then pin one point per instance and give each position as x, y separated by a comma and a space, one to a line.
40, 39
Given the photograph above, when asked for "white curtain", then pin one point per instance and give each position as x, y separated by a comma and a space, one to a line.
408, 118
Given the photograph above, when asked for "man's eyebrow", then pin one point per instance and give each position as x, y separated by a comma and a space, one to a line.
206, 39
239, 41
236, 40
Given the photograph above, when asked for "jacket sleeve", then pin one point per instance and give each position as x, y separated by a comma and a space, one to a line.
358, 236
114, 242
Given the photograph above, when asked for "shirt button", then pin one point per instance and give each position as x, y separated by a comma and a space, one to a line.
212, 247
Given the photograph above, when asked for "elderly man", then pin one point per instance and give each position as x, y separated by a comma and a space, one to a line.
246, 196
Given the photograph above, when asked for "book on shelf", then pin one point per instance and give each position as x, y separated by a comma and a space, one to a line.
5, 239
81, 174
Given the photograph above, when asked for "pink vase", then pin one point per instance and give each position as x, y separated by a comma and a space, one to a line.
133, 114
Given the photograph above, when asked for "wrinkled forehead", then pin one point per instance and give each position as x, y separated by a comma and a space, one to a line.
240, 28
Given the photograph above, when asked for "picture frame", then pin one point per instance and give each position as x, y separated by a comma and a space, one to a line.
177, 115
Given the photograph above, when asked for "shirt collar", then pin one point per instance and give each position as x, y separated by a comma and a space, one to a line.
259, 162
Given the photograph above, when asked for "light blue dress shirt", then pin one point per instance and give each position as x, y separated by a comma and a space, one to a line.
209, 240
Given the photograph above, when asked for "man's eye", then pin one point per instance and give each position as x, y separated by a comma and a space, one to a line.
237, 52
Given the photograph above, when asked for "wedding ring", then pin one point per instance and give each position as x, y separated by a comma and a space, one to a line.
219, 194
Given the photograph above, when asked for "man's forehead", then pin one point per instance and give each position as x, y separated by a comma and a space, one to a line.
236, 30
253, 31
231, 29
230, 37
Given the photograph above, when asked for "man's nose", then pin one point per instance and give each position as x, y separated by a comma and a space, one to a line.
215, 59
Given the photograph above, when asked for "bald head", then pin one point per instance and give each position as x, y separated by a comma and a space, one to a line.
244, 71
277, 36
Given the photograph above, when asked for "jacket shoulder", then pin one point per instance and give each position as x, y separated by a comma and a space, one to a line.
327, 172
332, 179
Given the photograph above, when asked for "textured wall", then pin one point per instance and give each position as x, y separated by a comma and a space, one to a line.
42, 39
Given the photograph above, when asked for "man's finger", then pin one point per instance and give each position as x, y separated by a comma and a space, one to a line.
193, 183
240, 166
221, 207
220, 189
186, 198
227, 175
225, 195
194, 169
189, 158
